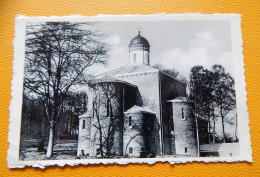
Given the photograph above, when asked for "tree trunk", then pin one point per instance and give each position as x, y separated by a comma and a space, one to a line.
50, 142
101, 142
223, 129
214, 129
235, 138
209, 126
197, 133
100, 134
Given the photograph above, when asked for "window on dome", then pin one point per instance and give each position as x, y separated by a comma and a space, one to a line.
134, 57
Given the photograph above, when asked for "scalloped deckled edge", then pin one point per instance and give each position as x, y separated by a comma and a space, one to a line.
17, 87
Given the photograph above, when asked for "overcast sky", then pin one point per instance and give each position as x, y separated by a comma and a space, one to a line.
174, 44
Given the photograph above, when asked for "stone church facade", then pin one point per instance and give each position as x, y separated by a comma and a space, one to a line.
139, 111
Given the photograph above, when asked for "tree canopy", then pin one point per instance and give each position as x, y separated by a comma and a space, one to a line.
213, 93
172, 72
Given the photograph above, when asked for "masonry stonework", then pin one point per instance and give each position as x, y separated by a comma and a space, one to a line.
184, 129
132, 112
170, 89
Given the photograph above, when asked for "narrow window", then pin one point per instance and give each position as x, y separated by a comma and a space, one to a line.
108, 108
171, 124
82, 153
83, 124
134, 57
182, 114
130, 121
98, 151
186, 150
130, 150
93, 110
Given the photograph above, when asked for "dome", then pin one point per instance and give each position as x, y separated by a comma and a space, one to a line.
139, 40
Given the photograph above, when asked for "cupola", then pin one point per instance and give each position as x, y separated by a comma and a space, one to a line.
139, 50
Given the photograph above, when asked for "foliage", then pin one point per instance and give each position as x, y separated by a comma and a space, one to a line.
213, 94
224, 94
172, 72
35, 125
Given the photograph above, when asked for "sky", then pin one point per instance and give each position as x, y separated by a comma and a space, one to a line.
174, 44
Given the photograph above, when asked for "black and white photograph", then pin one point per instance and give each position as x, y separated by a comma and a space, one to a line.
128, 89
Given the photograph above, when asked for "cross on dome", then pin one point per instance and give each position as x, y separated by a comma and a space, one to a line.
139, 29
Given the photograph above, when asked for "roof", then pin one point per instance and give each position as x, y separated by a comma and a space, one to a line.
139, 109
133, 69
179, 99
139, 40
130, 69
110, 78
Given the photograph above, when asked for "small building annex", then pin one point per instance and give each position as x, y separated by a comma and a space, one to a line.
138, 111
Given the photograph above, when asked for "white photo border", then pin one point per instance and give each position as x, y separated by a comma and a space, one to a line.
17, 90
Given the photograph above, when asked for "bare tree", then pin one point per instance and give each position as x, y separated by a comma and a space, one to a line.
74, 104
57, 54
107, 114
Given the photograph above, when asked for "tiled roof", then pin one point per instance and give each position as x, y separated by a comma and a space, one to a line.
139, 109
129, 69
133, 69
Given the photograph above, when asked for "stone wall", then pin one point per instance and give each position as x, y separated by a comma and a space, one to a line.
148, 95
139, 137
84, 136
184, 129
107, 106
170, 89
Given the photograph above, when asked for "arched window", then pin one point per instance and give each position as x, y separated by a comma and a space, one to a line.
83, 124
134, 57
182, 114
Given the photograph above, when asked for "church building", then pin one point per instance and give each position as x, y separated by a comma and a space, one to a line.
139, 111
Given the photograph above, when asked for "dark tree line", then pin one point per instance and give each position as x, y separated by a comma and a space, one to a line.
35, 124
213, 93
